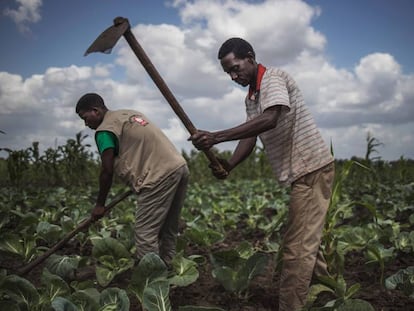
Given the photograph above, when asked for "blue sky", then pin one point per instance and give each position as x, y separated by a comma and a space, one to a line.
352, 59
356, 28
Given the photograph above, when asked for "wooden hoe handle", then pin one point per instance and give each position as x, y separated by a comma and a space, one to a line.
82, 226
162, 86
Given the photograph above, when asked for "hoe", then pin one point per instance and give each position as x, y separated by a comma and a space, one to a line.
107, 40
82, 226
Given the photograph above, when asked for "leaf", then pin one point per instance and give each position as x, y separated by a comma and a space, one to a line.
109, 247
24, 247
328, 281
245, 250
48, 232
355, 305
87, 299
104, 276
20, 290
255, 265
352, 290
402, 280
54, 284
113, 259
63, 304
229, 258
252, 267
114, 299
64, 266
226, 276
314, 291
196, 308
67, 224
234, 272
27, 219
411, 219
185, 269
203, 237
9, 305
150, 268
155, 296
10, 243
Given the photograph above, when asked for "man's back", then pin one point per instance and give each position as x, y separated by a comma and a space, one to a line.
145, 154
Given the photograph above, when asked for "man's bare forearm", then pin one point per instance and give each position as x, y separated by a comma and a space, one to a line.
251, 128
243, 150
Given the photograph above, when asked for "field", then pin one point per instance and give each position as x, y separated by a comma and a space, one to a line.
229, 244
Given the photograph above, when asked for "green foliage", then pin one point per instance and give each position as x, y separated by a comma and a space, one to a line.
185, 271
151, 280
156, 296
114, 299
203, 236
402, 280
70, 164
18, 292
21, 246
45, 196
112, 259
150, 269
343, 296
63, 266
54, 285
235, 271
196, 308
372, 144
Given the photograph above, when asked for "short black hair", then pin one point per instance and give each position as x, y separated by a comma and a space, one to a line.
238, 46
90, 101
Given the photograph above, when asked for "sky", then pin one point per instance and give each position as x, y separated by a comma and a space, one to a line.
352, 60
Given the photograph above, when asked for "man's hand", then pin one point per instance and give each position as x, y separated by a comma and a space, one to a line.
219, 173
203, 140
98, 211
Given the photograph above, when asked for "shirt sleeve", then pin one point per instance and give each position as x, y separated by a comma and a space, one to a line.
106, 140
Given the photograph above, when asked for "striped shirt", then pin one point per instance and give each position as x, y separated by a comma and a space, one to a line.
295, 146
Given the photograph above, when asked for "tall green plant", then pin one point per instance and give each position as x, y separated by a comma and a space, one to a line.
372, 144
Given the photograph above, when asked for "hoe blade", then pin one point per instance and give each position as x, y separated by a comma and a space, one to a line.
107, 40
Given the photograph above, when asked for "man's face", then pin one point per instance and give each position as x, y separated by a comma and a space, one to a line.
241, 71
92, 118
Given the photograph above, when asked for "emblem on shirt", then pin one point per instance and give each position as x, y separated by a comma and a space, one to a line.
138, 119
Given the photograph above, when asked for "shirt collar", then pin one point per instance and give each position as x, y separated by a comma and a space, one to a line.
260, 72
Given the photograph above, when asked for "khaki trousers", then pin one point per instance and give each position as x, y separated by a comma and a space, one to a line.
302, 256
157, 215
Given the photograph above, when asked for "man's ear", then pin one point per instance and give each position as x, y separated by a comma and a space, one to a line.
96, 110
251, 57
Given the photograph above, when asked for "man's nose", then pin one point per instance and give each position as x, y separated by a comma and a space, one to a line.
233, 75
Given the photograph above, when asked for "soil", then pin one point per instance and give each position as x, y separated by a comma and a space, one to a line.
263, 291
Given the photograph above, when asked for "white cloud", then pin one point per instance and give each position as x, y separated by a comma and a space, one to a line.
375, 96
285, 24
28, 11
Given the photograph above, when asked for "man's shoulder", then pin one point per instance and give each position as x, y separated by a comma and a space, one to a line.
125, 111
123, 114
274, 74
275, 71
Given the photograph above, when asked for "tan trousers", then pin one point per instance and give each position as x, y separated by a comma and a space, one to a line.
302, 256
157, 215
